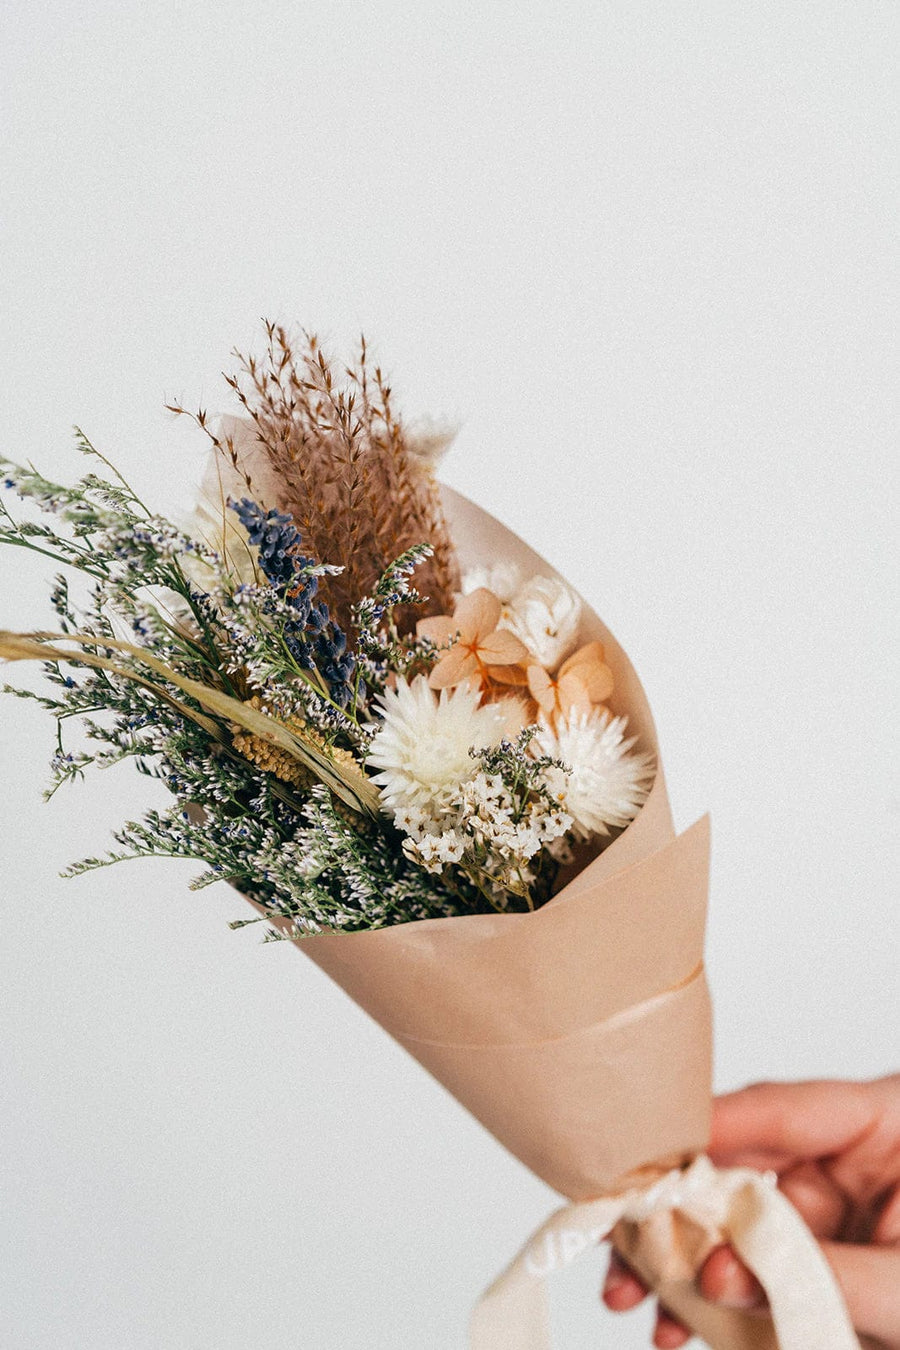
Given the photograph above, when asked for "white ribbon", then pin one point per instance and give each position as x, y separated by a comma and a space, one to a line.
737, 1206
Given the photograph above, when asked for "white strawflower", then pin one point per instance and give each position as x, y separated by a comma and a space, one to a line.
422, 745
503, 578
544, 613
606, 786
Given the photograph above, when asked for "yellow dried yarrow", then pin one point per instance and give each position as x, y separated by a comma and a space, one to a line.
280, 763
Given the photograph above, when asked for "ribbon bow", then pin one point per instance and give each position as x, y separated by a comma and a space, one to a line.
665, 1230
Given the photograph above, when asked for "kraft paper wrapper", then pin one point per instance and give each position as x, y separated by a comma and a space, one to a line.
580, 1034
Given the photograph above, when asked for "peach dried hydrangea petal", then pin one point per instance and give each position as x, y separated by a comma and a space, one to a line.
597, 681
590, 652
579, 689
477, 615
516, 715
439, 629
453, 667
513, 675
542, 689
573, 694
557, 696
589, 665
502, 648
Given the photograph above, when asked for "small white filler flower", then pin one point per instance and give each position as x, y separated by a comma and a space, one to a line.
422, 745
606, 786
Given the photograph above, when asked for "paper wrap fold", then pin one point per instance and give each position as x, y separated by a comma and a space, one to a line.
580, 1036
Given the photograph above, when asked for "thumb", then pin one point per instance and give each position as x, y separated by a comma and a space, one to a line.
869, 1278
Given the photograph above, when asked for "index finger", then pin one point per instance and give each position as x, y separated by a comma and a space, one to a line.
774, 1124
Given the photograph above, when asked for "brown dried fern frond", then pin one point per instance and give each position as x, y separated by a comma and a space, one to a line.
331, 450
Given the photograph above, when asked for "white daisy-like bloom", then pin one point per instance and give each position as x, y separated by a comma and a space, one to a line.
606, 785
422, 744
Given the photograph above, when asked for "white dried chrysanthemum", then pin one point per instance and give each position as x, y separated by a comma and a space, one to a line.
606, 786
422, 744
503, 578
544, 613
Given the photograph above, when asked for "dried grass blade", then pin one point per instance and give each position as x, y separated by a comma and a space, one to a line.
353, 788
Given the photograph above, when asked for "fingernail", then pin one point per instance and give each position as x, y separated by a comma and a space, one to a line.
668, 1334
724, 1280
738, 1289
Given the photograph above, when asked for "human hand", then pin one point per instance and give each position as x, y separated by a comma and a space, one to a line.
836, 1149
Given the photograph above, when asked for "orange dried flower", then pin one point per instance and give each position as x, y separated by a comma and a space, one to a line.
583, 682
481, 651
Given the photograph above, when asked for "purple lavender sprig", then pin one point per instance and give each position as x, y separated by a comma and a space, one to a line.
314, 640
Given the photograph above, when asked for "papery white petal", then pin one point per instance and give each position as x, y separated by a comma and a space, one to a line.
422, 743
503, 578
606, 785
544, 613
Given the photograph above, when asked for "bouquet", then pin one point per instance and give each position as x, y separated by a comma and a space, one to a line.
421, 757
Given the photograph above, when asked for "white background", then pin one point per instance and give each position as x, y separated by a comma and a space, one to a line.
645, 254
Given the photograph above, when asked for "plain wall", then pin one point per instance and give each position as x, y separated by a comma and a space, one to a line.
645, 255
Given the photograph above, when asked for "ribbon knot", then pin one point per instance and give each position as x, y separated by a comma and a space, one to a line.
733, 1205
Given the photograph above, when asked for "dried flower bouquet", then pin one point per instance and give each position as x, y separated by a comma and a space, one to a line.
360, 756
448, 793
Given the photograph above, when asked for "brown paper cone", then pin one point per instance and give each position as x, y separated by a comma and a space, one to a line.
579, 1034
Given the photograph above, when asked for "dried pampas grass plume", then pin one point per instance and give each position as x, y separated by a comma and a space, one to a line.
331, 450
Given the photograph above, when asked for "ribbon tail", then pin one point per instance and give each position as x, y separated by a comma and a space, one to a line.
771, 1238
514, 1313
665, 1231
512, 1316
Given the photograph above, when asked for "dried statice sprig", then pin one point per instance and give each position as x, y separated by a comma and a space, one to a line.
382, 650
505, 831
340, 462
341, 771
333, 876
139, 586
300, 860
163, 674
